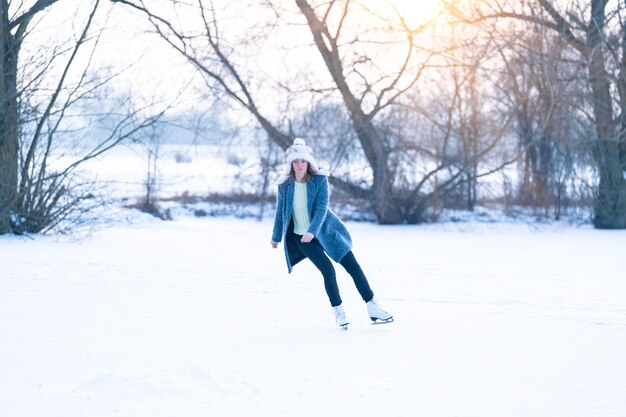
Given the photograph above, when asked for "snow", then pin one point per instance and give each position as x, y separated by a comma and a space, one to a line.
197, 169
198, 317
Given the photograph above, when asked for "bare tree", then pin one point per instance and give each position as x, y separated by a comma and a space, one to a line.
543, 86
365, 82
13, 28
37, 192
597, 33
329, 24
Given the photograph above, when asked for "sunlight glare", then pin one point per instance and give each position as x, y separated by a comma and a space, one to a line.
414, 12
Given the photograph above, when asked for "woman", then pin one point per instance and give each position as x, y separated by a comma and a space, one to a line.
311, 230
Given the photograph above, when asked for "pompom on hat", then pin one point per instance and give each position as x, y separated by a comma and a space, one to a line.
300, 150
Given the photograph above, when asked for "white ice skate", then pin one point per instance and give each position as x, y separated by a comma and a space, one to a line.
340, 317
377, 314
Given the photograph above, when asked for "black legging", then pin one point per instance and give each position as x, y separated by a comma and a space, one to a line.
313, 250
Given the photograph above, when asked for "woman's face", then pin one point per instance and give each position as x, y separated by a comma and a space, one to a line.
300, 166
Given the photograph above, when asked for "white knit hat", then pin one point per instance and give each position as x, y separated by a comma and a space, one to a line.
299, 150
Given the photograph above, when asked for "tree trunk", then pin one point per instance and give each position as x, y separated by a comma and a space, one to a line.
8, 121
386, 208
610, 203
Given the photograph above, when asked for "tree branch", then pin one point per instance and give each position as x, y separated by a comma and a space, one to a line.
28, 15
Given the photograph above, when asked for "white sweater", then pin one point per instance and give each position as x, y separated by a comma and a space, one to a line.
300, 214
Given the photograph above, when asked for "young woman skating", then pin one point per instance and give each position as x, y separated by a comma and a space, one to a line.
311, 230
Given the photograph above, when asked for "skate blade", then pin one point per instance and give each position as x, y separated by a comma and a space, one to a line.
344, 326
381, 321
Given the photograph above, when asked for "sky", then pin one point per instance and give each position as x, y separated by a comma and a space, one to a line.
158, 73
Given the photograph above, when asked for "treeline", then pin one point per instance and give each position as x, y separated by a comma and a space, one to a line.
518, 102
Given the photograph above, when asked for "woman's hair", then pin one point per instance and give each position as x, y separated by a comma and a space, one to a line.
310, 172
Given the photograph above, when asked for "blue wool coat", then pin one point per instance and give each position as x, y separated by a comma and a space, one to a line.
330, 232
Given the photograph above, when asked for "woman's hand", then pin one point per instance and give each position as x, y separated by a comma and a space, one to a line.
307, 237
274, 244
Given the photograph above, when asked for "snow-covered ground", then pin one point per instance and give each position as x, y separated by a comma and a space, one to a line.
198, 317
197, 169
